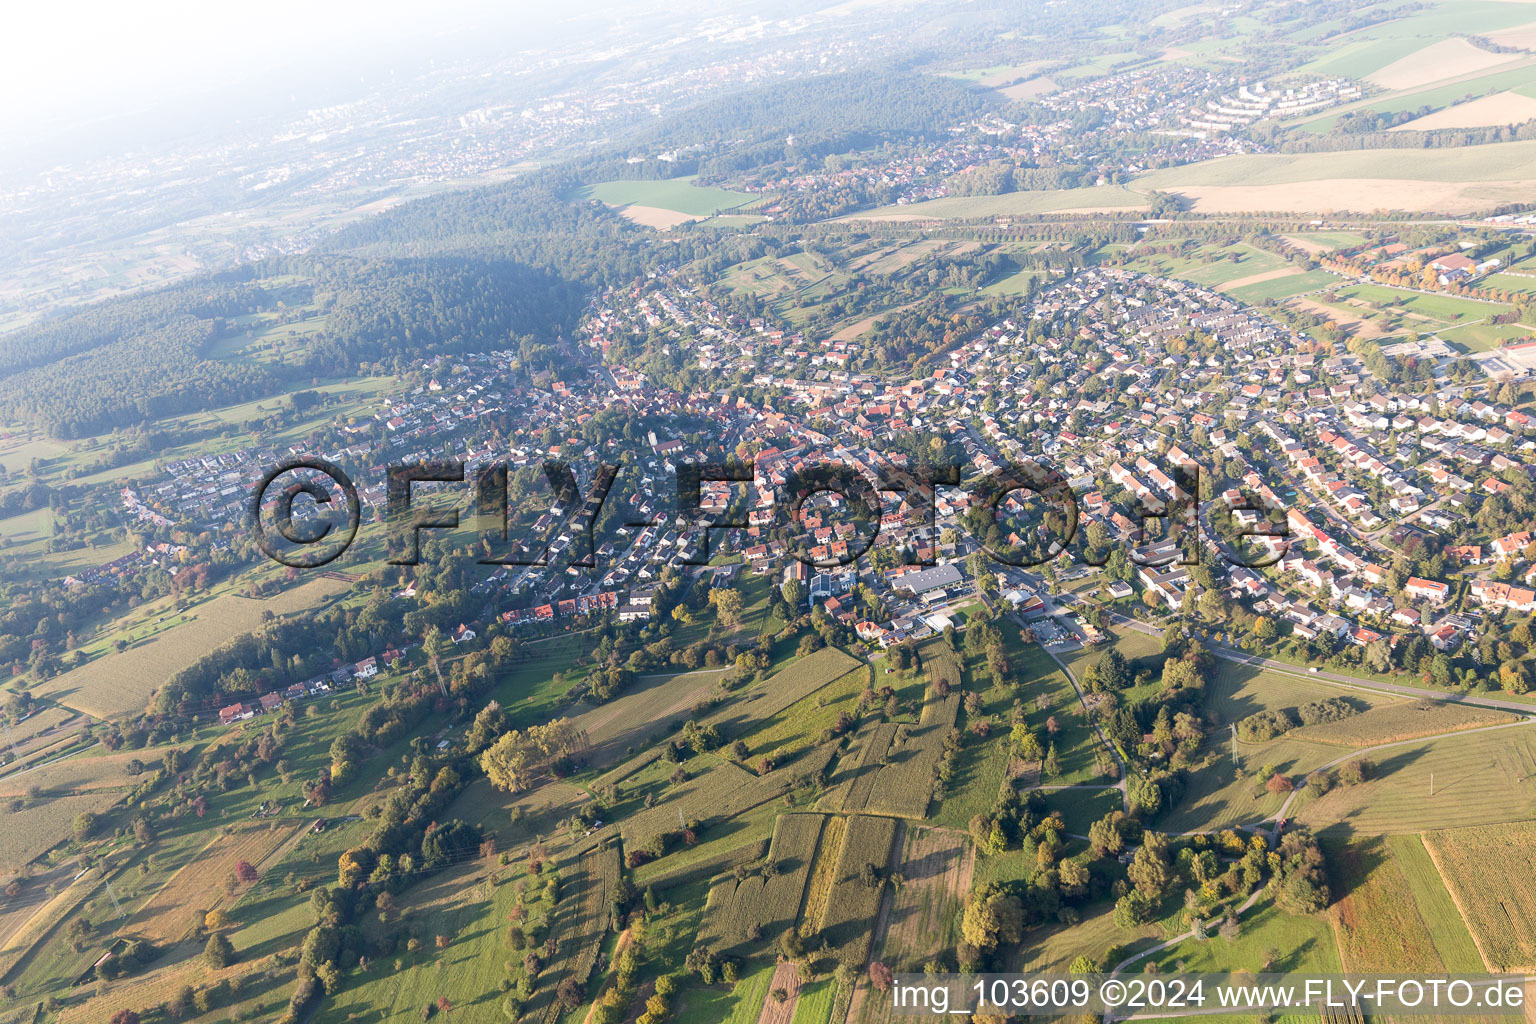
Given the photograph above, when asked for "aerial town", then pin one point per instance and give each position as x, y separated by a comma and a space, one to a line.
812, 513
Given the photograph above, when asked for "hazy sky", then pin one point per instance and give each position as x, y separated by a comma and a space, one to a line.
69, 63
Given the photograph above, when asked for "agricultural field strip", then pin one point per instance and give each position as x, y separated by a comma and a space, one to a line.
1490, 872
937, 865
768, 902
169, 913
580, 925
114, 683
799, 679
720, 793
823, 876
904, 786
852, 905
1376, 928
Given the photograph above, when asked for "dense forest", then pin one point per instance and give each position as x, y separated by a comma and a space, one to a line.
129, 363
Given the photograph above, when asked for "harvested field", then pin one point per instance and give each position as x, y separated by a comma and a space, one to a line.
1099, 199
140, 993
849, 920
1029, 90
27, 918
173, 911
1362, 195
768, 900
1444, 59
1521, 36
1500, 108
1450, 180
22, 733
33, 830
937, 865
1491, 874
1268, 275
75, 775
114, 684
858, 327
786, 979
651, 707
33, 899
1408, 720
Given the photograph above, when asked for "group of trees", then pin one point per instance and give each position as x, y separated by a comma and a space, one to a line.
408, 841
519, 756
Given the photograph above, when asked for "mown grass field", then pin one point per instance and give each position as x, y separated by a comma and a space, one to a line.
726, 1004
712, 796
1224, 793
1478, 779
114, 683
1014, 284
680, 195
1211, 265
1283, 287
1446, 928
648, 709
1303, 944
815, 1003
982, 764
1054, 946
800, 725
1080, 808
1410, 307
764, 700
1491, 874
456, 904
